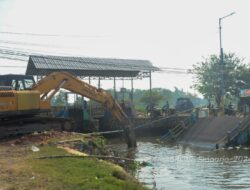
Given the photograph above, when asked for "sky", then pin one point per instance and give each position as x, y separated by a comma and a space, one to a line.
169, 33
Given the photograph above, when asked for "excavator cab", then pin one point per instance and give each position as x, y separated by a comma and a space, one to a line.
17, 96
16, 82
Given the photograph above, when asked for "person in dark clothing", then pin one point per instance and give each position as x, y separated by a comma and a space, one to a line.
230, 109
165, 109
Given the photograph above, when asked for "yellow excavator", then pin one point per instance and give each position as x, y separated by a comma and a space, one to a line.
24, 103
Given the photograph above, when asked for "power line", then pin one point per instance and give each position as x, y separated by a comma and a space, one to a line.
51, 35
13, 58
12, 66
4, 66
18, 43
30, 44
17, 53
18, 59
37, 52
173, 72
173, 68
23, 56
25, 60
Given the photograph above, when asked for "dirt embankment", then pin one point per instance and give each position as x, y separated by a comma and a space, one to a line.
57, 160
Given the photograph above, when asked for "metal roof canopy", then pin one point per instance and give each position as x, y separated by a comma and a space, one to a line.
90, 67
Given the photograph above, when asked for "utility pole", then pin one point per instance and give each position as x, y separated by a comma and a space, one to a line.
222, 66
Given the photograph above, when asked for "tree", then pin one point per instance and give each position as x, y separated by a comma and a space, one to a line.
59, 99
208, 76
155, 97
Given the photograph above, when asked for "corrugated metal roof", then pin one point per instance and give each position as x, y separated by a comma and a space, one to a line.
87, 66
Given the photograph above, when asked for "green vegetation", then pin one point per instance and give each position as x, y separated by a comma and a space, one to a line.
155, 97
75, 173
21, 168
162, 95
141, 98
208, 77
59, 99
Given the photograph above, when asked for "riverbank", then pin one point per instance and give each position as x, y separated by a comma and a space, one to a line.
60, 161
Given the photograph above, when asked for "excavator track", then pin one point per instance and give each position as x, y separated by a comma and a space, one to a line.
20, 126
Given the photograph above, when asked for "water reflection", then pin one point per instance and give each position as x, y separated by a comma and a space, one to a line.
183, 167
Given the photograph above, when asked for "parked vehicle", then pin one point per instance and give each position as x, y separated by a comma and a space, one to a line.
184, 104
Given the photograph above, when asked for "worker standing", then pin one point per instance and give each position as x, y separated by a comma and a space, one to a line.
165, 109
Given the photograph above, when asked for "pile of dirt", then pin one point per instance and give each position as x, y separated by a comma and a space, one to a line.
40, 138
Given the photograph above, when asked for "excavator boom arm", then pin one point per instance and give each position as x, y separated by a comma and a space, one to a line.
50, 84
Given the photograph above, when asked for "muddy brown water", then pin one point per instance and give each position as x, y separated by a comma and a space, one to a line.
173, 166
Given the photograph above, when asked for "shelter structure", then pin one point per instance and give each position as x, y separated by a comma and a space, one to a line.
93, 68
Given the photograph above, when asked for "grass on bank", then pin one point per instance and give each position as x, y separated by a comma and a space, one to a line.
68, 173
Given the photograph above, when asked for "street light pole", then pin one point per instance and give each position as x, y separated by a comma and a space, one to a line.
222, 65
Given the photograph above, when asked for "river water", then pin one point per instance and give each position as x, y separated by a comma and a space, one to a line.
173, 166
